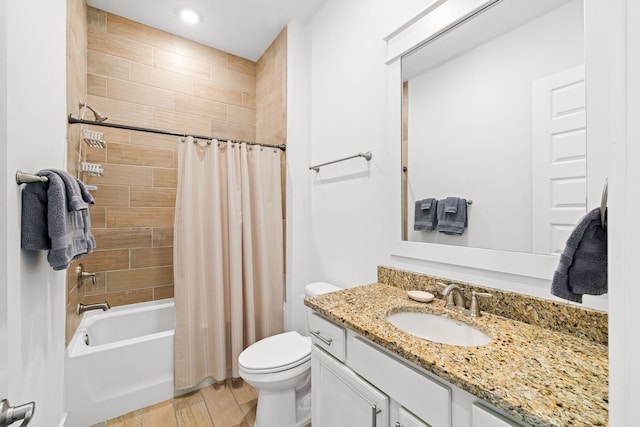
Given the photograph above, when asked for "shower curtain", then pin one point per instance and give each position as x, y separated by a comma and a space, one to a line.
228, 256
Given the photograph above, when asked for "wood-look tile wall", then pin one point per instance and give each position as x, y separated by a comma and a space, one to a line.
76, 93
145, 77
271, 92
141, 76
271, 104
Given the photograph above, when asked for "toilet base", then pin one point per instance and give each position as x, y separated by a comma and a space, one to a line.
284, 409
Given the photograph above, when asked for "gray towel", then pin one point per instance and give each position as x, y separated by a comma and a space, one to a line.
452, 222
48, 222
78, 197
451, 204
583, 263
35, 234
425, 215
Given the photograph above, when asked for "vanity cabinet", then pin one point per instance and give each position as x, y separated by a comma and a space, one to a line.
482, 416
343, 399
357, 383
407, 419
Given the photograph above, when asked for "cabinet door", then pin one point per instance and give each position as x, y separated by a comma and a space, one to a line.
340, 398
407, 419
482, 416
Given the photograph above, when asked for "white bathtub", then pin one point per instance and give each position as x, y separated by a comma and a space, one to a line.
126, 365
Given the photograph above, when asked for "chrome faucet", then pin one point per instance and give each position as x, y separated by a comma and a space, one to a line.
455, 297
104, 306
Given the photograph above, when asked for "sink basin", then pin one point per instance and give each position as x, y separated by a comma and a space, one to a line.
438, 329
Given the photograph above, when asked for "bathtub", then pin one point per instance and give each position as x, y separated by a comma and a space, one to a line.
118, 361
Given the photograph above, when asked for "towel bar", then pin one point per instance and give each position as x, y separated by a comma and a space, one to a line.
603, 204
366, 155
26, 178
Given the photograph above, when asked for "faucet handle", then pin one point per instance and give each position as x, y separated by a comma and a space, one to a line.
475, 307
81, 274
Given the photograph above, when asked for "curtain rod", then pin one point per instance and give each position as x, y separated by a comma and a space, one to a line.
74, 120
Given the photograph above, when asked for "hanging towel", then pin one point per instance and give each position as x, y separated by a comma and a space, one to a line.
55, 216
452, 222
425, 215
583, 263
451, 204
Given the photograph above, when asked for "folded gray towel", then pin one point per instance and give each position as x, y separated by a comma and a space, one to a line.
48, 222
452, 222
583, 263
78, 197
425, 215
451, 204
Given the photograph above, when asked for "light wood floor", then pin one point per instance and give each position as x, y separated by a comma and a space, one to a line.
229, 404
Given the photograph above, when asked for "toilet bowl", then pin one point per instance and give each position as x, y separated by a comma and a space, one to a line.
279, 369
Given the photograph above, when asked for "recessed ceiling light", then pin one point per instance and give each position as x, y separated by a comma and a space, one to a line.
189, 16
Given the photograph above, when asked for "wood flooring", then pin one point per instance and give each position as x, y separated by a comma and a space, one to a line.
229, 404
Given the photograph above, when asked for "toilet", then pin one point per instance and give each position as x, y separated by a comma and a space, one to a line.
279, 369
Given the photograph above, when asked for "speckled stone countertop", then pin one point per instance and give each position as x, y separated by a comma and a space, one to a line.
538, 376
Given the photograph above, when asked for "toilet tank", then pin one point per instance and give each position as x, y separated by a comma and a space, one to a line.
315, 289
319, 288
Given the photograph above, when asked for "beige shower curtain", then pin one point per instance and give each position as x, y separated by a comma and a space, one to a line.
228, 256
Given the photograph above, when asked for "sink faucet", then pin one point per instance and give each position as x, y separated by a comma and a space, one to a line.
104, 306
455, 298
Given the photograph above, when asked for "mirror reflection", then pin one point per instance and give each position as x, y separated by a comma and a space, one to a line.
494, 112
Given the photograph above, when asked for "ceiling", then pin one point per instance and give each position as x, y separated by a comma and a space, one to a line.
242, 27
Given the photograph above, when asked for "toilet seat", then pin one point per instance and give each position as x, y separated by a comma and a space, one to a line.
276, 353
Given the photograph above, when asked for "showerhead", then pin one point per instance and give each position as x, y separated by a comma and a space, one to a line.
98, 116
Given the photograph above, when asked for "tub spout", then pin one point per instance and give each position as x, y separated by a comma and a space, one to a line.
104, 306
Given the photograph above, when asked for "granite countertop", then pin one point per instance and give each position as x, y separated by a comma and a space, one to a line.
538, 376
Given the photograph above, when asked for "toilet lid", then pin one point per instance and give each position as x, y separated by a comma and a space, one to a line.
276, 353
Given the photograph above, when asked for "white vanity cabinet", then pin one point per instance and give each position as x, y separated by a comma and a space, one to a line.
343, 399
374, 387
482, 416
407, 419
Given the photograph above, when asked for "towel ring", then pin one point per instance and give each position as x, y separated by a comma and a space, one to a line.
603, 204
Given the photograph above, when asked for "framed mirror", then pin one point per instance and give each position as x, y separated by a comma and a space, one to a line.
494, 113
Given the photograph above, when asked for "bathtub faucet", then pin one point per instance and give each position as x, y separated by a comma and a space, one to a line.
104, 306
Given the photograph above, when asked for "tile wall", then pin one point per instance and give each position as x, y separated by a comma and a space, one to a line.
145, 77
271, 104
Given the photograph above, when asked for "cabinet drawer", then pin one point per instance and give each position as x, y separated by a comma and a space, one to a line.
328, 336
426, 398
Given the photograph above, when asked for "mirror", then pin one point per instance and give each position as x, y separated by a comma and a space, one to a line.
494, 112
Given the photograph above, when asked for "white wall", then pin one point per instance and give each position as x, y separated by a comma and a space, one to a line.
343, 219
299, 264
4, 368
469, 114
34, 138
343, 214
338, 219
622, 104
